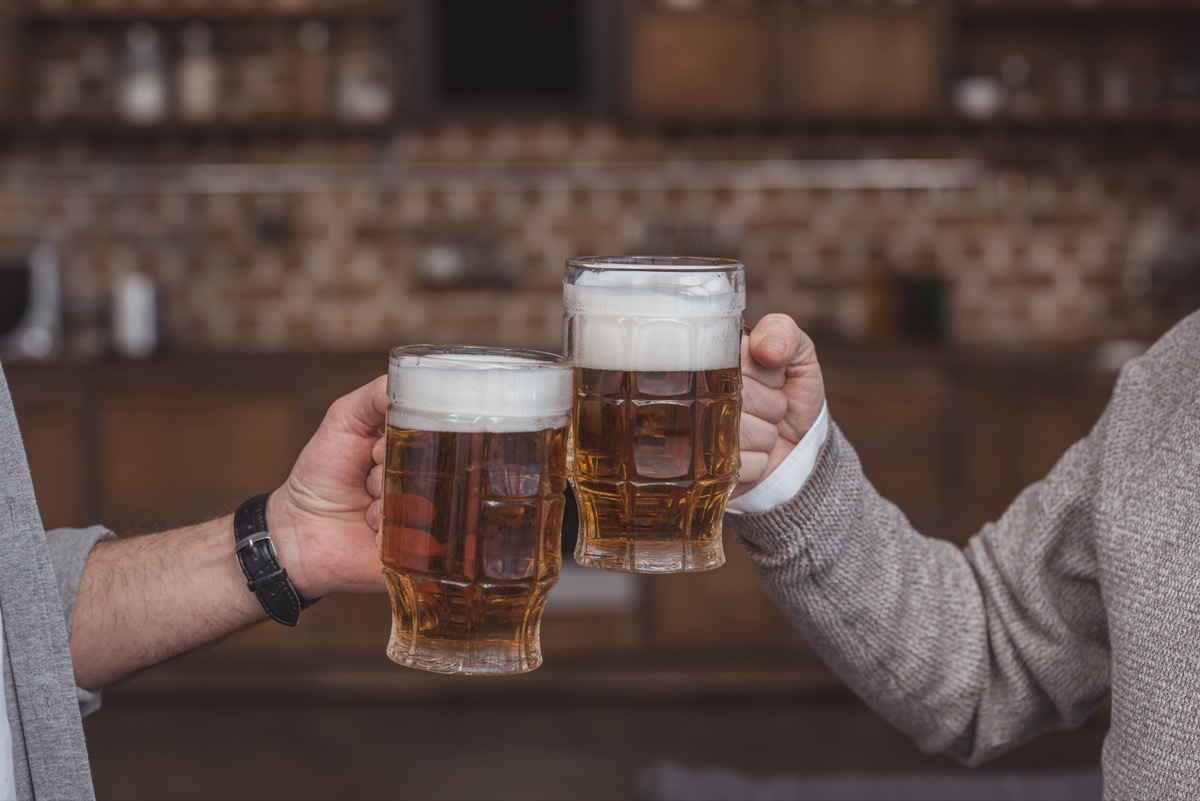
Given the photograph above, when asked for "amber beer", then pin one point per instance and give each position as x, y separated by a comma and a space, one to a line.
475, 472
654, 454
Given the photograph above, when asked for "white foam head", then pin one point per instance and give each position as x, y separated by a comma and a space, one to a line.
471, 392
650, 320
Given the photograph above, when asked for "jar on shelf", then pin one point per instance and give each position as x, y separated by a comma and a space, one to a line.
143, 90
364, 93
197, 77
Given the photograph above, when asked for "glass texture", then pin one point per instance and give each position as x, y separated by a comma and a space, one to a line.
474, 482
656, 348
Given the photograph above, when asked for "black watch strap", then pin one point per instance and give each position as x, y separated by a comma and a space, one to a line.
256, 555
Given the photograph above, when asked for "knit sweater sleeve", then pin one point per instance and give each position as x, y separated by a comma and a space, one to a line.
970, 651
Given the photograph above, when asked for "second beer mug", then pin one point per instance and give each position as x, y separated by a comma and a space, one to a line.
474, 478
656, 345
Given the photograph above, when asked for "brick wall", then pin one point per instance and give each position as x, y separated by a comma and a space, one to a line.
459, 232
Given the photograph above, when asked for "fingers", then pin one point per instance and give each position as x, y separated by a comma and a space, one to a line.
758, 438
375, 481
757, 434
775, 342
372, 516
763, 402
754, 467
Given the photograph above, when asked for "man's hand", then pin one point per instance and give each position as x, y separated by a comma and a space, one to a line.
782, 395
325, 517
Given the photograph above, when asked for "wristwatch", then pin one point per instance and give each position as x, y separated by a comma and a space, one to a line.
256, 556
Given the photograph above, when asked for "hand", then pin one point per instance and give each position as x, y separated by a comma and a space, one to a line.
782, 395
324, 519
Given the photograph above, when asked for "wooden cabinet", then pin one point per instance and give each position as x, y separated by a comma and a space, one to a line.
1012, 425
712, 63
724, 609
54, 417
140, 446
762, 60
935, 63
893, 411
857, 61
8, 49
172, 453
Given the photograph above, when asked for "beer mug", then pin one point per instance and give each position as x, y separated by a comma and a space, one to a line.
656, 346
474, 482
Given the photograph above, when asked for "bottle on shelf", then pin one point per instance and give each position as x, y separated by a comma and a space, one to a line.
197, 75
1071, 86
313, 87
363, 88
1016, 75
143, 91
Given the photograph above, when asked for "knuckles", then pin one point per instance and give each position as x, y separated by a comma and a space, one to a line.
762, 402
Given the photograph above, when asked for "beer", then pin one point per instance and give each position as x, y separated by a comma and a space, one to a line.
475, 472
657, 386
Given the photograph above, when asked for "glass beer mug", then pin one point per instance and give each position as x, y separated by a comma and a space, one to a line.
656, 347
471, 529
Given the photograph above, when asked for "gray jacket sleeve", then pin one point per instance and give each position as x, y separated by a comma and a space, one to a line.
69, 549
970, 651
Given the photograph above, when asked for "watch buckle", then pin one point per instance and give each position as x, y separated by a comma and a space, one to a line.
254, 539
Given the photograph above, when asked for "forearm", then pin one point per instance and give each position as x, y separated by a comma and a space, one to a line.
938, 640
145, 599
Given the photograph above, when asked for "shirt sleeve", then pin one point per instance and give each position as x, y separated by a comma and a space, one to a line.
787, 479
69, 549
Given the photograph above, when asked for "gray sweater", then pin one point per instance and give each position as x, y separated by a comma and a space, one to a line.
1089, 585
39, 575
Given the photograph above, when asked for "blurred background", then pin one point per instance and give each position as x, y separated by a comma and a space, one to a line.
217, 215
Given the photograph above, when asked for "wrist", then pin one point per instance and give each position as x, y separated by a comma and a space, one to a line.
281, 521
258, 557
787, 478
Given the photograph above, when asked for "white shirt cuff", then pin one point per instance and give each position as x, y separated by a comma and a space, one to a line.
786, 480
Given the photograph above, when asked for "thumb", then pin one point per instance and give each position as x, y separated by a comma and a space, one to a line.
363, 411
776, 341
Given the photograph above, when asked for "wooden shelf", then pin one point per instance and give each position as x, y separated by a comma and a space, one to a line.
116, 128
1184, 120
1075, 10
228, 10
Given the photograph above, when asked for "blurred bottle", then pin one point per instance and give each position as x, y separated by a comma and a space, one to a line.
1116, 89
364, 92
134, 316
1016, 74
922, 304
96, 70
143, 93
1071, 84
197, 77
315, 67
879, 296
978, 95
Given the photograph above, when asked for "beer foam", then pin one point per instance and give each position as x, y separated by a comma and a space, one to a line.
471, 393
650, 320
